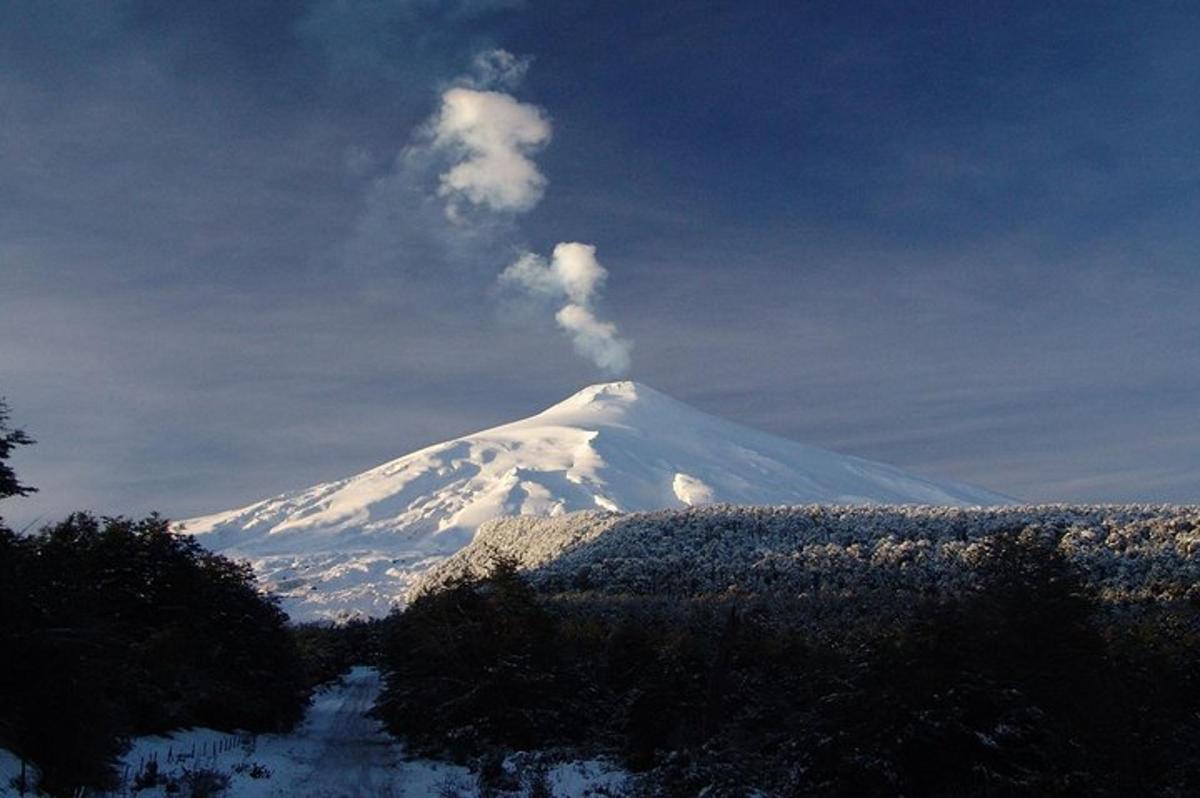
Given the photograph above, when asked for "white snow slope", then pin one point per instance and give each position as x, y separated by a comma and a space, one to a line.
354, 546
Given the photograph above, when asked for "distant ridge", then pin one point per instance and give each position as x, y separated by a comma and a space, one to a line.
355, 545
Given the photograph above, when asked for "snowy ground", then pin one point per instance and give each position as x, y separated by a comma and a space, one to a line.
338, 752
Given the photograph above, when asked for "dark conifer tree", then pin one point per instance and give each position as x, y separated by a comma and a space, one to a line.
112, 627
10, 439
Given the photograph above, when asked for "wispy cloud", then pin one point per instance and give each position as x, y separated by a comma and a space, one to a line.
496, 69
574, 275
452, 192
481, 144
595, 339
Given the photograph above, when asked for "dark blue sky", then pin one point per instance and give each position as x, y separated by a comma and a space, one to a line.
961, 238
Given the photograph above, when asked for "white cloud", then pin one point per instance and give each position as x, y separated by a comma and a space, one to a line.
532, 273
493, 134
490, 137
595, 339
578, 270
574, 275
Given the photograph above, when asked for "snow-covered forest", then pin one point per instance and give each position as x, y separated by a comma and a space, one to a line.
822, 650
1127, 553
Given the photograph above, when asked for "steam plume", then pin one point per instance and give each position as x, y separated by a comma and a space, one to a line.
574, 275
493, 134
490, 137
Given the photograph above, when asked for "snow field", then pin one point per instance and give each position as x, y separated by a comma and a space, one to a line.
356, 546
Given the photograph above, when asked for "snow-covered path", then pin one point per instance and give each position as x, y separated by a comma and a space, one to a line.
350, 755
337, 752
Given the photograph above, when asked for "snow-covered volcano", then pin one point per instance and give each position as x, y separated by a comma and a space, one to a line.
355, 545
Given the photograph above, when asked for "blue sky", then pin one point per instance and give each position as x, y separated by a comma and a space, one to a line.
960, 238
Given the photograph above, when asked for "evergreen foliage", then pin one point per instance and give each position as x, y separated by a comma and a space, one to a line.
1021, 683
113, 627
327, 650
479, 657
10, 439
1130, 553
120, 627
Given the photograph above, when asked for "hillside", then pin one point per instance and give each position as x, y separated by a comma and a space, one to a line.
1130, 553
356, 545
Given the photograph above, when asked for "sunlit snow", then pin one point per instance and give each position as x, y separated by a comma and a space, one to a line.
356, 545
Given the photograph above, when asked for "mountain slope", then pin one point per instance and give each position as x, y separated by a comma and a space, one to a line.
355, 545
